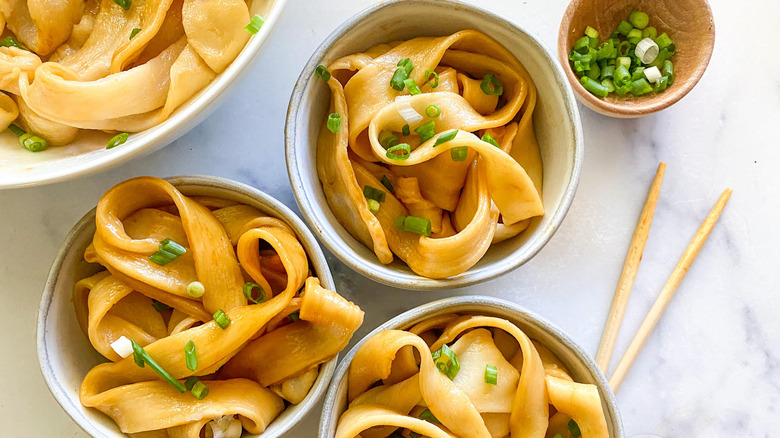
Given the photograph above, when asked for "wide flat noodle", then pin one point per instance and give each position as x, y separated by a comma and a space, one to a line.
42, 25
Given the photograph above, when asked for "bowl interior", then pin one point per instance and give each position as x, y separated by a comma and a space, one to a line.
88, 153
688, 23
556, 122
582, 367
66, 355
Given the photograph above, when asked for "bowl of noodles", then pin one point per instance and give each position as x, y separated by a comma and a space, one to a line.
433, 153
471, 367
90, 84
188, 307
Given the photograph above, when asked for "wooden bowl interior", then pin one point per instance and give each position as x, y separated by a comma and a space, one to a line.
688, 23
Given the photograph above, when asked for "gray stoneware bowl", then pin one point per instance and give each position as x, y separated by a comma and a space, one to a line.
556, 120
64, 352
582, 367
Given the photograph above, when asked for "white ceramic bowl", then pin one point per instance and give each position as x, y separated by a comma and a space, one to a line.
556, 121
64, 352
88, 154
582, 367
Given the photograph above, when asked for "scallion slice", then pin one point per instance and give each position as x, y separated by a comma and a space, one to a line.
124, 4
403, 147
387, 139
574, 429
221, 319
641, 87
10, 41
405, 130
117, 140
31, 142
190, 382
190, 355
254, 25
196, 289
334, 122
491, 375
624, 27
591, 32
322, 73
448, 365
426, 131
444, 138
428, 416
134, 32
491, 85
407, 65
414, 224
487, 138
638, 19
668, 71
295, 316
432, 111
141, 358
200, 390
168, 252
373, 205
594, 86
373, 193
411, 85
386, 182
249, 289
459, 153
435, 82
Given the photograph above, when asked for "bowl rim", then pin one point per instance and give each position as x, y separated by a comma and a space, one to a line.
617, 110
488, 303
179, 123
413, 281
273, 206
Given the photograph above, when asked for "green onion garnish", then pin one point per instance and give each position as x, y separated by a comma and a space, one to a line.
411, 85
190, 382
663, 41
196, 289
638, 19
221, 318
168, 252
190, 356
649, 32
487, 138
401, 74
160, 307
428, 416
387, 139
574, 429
388, 185
449, 364
373, 193
124, 4
435, 82
432, 111
624, 27
591, 32
322, 73
373, 205
254, 25
249, 288
141, 358
668, 70
403, 147
405, 130
334, 122
459, 153
594, 86
414, 224
10, 41
134, 32
407, 65
31, 142
200, 390
491, 375
641, 87
295, 316
117, 140
426, 131
444, 138
634, 36
491, 85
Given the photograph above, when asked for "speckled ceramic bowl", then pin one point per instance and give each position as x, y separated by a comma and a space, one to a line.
88, 153
582, 367
556, 121
64, 352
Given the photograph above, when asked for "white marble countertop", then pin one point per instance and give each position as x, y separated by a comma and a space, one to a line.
712, 366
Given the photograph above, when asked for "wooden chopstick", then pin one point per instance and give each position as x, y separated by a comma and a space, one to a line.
627, 277
668, 292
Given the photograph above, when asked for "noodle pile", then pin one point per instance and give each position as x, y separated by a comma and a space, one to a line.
94, 65
469, 192
266, 357
399, 388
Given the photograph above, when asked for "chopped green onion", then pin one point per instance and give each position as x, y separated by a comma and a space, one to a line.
387, 139
491, 85
622, 76
487, 138
322, 73
373, 205
432, 111
649, 32
249, 288
33, 143
574, 429
459, 153
334, 122
624, 89
196, 289
373, 193
450, 365
168, 252
668, 70
124, 4
638, 19
254, 25
582, 45
591, 32
403, 147
386, 182
609, 84
399, 223
141, 357
435, 82
594, 72
638, 73
624, 61
405, 130
444, 138
661, 84
411, 85
624, 27
190, 382
607, 72
295, 316
641, 87
190, 355
663, 40
117, 140
221, 319
134, 32
491, 375
16, 130
634, 36
414, 224
160, 307
10, 41
624, 48
200, 390
401, 74
594, 86
427, 415
426, 131
407, 65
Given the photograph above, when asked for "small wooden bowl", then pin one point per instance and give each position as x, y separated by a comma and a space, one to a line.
688, 23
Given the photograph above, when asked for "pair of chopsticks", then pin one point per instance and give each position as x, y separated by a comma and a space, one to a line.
627, 277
